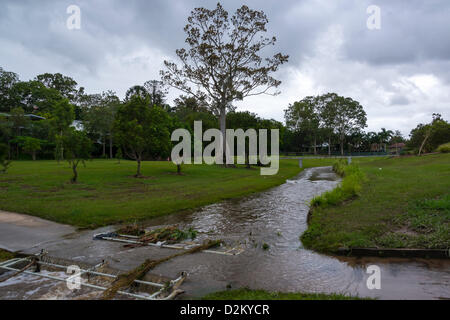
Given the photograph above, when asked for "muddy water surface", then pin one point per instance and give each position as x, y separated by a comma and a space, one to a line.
277, 217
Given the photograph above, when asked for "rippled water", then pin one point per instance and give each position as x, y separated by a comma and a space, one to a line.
278, 217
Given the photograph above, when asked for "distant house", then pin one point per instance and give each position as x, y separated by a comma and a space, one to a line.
396, 147
78, 125
376, 147
32, 117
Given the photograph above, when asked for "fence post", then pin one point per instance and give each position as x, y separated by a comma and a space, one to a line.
300, 163
349, 160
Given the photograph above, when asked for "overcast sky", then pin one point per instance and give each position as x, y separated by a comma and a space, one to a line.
399, 73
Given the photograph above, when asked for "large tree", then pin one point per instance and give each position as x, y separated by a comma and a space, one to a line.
327, 109
223, 62
349, 116
7, 81
65, 85
154, 90
157, 92
304, 115
99, 118
61, 119
34, 97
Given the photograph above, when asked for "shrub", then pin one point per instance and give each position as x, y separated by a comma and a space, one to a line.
444, 148
339, 166
348, 188
4, 163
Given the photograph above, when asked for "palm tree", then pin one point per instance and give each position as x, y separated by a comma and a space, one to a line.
384, 136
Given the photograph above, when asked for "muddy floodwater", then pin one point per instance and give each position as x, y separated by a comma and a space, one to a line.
273, 219
278, 217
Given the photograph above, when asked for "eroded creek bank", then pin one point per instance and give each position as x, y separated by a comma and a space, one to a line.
276, 218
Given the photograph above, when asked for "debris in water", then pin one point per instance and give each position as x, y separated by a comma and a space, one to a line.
167, 235
125, 280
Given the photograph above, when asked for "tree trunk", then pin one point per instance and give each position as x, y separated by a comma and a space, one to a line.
138, 173
427, 135
223, 128
34, 155
75, 173
62, 148
104, 147
315, 143
110, 146
342, 147
329, 146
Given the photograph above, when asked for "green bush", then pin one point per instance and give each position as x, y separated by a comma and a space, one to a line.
444, 148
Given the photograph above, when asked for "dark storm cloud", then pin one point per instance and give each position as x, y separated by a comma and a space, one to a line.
404, 64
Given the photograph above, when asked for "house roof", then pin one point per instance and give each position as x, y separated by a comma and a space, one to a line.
31, 116
397, 145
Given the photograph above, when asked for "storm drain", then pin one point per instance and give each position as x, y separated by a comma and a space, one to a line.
134, 240
93, 277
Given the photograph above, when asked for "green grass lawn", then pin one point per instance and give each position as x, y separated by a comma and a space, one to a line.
247, 294
107, 193
405, 203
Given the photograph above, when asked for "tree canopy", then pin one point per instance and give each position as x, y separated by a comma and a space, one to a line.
223, 62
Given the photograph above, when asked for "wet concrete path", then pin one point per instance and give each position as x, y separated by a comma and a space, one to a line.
276, 217
22, 232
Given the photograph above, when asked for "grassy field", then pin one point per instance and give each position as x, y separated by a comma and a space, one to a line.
247, 294
107, 193
404, 203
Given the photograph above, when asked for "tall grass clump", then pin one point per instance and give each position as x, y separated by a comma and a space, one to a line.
444, 148
353, 177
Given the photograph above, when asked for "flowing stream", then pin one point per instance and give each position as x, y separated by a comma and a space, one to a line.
278, 217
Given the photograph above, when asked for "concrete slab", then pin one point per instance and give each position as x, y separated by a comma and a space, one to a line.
19, 232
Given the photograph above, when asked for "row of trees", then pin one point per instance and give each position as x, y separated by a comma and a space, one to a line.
326, 116
221, 64
139, 126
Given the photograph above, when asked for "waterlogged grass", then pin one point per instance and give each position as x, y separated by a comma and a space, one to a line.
247, 294
403, 203
107, 193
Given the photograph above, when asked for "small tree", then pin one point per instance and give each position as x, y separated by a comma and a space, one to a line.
119, 154
32, 146
142, 130
4, 162
77, 147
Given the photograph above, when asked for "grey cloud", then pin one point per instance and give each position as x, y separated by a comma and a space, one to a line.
116, 38
399, 100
